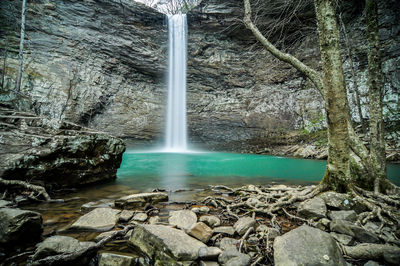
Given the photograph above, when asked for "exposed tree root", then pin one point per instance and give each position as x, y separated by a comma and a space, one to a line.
369, 251
41, 191
70, 257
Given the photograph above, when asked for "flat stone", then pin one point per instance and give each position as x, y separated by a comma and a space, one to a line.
210, 220
243, 224
111, 259
224, 230
19, 226
350, 215
56, 245
139, 200
343, 239
312, 208
165, 244
125, 216
228, 242
100, 219
232, 257
140, 217
183, 219
200, 231
209, 253
307, 246
359, 233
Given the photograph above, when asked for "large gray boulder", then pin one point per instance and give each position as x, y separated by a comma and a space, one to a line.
56, 245
139, 200
19, 226
183, 219
100, 220
165, 245
307, 246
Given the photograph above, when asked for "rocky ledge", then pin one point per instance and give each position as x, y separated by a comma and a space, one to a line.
55, 153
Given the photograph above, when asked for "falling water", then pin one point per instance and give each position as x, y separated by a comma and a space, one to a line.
176, 135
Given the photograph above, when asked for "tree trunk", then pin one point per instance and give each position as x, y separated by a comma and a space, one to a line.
4, 63
21, 47
337, 175
375, 84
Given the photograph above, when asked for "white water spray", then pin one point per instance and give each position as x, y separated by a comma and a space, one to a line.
176, 134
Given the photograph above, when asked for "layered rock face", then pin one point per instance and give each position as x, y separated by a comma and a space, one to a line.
55, 155
103, 64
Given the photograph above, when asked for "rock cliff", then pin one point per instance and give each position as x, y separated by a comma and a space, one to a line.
102, 64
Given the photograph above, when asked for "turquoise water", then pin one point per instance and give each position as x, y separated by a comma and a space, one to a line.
194, 170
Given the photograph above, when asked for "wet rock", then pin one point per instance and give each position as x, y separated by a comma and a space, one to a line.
350, 215
210, 220
183, 219
100, 219
97, 204
343, 239
312, 208
243, 224
19, 226
139, 200
126, 215
307, 246
232, 257
200, 231
209, 253
140, 217
104, 235
165, 245
111, 259
5, 203
228, 242
56, 245
224, 230
359, 233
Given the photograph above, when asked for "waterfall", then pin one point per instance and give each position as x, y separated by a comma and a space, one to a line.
176, 135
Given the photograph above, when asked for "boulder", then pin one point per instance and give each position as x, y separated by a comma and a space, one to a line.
359, 233
209, 253
350, 215
264, 230
139, 200
165, 245
140, 217
210, 220
307, 246
104, 235
232, 257
19, 226
111, 259
243, 224
56, 245
208, 263
371, 263
201, 210
312, 208
336, 200
200, 231
154, 219
224, 230
183, 219
343, 239
100, 220
5, 203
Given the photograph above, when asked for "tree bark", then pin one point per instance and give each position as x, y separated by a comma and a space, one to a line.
21, 47
4, 63
375, 84
337, 175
